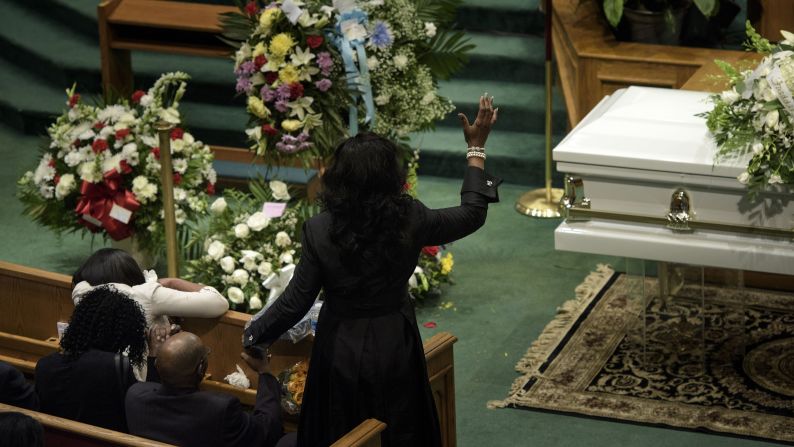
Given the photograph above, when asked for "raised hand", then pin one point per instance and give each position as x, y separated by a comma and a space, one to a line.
477, 134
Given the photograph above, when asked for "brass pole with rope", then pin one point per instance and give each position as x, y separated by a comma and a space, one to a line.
544, 202
167, 183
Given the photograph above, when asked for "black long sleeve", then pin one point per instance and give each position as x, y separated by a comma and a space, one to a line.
242, 428
15, 390
441, 226
293, 304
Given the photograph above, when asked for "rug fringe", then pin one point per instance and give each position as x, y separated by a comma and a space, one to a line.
555, 331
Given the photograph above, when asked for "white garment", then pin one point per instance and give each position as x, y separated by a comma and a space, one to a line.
158, 303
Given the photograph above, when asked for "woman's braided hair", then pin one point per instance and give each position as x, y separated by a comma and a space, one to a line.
107, 320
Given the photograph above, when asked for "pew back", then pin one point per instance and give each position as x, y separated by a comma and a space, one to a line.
59, 432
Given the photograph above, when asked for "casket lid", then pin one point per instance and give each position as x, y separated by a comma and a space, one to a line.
649, 129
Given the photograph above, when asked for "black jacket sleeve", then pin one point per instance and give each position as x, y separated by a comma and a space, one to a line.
263, 427
15, 390
294, 303
442, 226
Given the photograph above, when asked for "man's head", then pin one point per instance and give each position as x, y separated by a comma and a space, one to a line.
182, 361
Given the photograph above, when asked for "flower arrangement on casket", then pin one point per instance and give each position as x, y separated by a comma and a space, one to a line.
250, 245
315, 71
755, 117
101, 170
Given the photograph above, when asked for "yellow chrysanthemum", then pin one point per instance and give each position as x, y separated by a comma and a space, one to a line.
281, 44
446, 264
257, 107
259, 50
269, 17
291, 125
288, 74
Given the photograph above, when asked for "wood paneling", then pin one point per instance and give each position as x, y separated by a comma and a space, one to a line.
771, 16
592, 63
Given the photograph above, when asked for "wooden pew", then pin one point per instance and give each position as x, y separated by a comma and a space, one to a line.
60, 432
33, 300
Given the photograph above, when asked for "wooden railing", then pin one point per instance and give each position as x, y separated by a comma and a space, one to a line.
32, 301
60, 432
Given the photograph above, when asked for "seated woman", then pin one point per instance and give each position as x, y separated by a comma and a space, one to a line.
88, 380
159, 299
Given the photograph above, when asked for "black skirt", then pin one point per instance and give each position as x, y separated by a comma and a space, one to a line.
368, 366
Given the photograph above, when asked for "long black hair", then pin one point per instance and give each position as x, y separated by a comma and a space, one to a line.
107, 320
363, 189
108, 265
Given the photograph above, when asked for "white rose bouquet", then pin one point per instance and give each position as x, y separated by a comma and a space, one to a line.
755, 117
250, 244
101, 170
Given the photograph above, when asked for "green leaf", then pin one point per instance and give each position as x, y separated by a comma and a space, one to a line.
447, 53
613, 9
440, 12
709, 8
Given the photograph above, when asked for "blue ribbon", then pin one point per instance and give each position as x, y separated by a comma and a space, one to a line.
357, 75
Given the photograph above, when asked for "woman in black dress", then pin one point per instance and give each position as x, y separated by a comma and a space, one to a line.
367, 360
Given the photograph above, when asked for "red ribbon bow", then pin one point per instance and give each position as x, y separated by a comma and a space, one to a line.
96, 201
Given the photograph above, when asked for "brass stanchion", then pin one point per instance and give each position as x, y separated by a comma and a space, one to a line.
544, 202
167, 183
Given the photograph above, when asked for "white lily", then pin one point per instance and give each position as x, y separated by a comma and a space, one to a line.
301, 57
312, 121
301, 106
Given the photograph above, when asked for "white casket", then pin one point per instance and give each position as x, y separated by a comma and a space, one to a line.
641, 182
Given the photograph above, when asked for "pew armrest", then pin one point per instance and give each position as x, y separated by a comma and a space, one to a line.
367, 434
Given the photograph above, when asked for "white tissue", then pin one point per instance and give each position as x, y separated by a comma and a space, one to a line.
238, 379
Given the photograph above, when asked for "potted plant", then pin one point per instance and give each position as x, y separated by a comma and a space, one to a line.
655, 21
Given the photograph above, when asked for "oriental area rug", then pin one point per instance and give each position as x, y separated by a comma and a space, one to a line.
590, 361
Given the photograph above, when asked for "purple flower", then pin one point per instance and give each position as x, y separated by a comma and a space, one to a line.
247, 68
323, 84
282, 106
381, 35
283, 92
290, 144
325, 62
243, 84
303, 137
267, 94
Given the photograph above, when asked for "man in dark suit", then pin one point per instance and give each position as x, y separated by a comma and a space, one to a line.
15, 390
176, 412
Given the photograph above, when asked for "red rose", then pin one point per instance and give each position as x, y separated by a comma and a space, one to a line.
156, 152
136, 97
121, 133
99, 145
177, 178
431, 250
74, 99
51, 163
251, 8
269, 130
271, 77
314, 41
177, 133
295, 90
99, 125
56, 179
210, 188
125, 167
259, 61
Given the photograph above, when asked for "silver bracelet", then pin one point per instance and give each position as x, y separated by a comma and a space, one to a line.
477, 154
